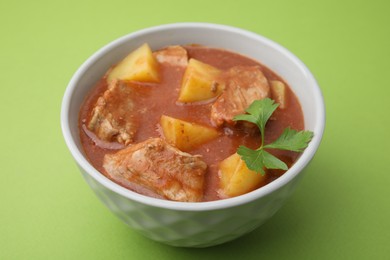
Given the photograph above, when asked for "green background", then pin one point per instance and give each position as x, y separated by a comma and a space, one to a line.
341, 209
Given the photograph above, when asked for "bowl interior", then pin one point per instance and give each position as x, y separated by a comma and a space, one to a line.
252, 45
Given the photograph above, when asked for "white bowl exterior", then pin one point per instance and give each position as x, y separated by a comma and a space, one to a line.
192, 228
207, 223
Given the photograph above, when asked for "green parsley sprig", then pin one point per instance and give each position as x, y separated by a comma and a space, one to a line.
257, 160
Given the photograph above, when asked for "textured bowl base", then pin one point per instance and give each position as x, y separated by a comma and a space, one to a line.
192, 228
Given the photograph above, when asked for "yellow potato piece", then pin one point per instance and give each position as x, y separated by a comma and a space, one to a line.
139, 65
236, 179
186, 135
278, 91
199, 82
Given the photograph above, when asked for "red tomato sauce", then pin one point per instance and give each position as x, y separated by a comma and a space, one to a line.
161, 99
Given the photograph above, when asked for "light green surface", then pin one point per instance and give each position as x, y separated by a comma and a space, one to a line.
341, 210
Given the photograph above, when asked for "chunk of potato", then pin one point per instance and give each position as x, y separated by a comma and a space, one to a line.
139, 65
185, 135
199, 82
235, 177
278, 91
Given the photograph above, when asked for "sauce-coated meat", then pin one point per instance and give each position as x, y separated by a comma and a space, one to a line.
173, 55
114, 117
243, 85
155, 167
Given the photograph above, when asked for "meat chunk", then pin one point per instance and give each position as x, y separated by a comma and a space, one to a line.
114, 117
155, 167
173, 55
243, 85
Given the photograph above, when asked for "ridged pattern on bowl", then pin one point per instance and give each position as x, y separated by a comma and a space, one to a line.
191, 228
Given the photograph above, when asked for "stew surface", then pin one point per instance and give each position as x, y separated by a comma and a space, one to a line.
157, 99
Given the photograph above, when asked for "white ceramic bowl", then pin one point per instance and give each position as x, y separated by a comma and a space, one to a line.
206, 223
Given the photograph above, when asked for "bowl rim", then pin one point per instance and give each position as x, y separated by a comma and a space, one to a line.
291, 173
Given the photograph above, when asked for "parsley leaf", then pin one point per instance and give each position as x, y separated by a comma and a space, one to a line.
258, 160
253, 158
292, 140
272, 162
258, 113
